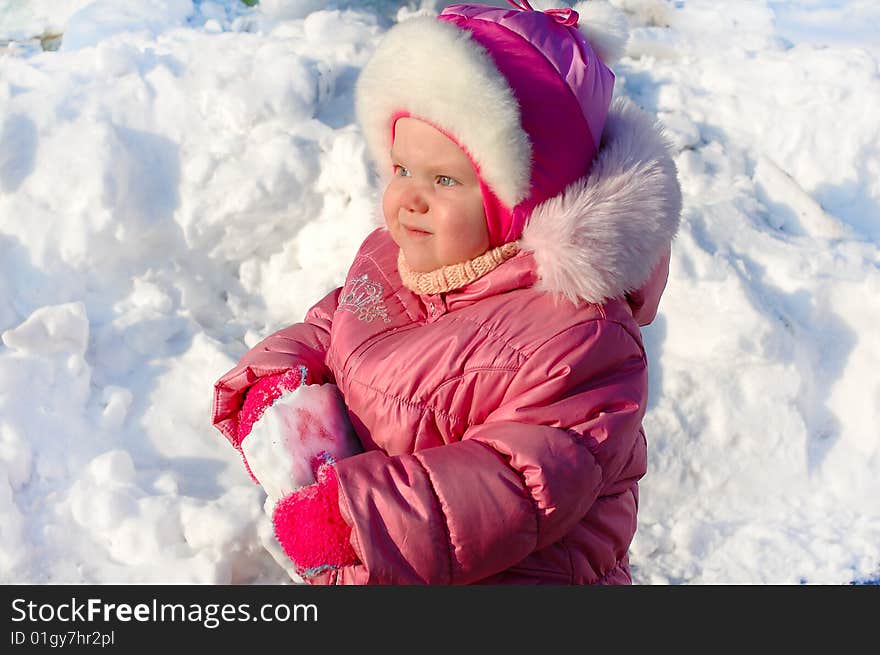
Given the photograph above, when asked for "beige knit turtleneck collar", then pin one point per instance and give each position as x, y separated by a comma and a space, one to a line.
454, 276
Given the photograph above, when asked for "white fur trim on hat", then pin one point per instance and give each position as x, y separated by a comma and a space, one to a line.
434, 70
603, 235
605, 27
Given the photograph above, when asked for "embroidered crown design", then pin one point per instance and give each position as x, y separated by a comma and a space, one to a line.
363, 297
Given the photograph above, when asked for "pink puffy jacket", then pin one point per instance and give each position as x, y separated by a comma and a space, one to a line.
502, 425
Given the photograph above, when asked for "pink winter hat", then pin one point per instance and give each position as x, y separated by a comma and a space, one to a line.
523, 92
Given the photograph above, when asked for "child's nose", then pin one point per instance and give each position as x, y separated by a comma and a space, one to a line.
413, 200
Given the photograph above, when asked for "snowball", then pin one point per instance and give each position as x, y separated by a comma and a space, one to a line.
303, 423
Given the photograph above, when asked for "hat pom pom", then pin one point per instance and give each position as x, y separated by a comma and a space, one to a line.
605, 27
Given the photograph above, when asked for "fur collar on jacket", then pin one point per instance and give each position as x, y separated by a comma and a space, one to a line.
603, 235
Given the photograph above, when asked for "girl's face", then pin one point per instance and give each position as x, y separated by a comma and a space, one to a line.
433, 205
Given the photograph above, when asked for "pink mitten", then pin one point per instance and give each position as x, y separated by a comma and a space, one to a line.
263, 393
310, 527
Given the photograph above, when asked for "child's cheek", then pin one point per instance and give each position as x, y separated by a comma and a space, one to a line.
390, 207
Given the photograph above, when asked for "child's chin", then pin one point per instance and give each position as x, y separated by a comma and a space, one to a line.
418, 261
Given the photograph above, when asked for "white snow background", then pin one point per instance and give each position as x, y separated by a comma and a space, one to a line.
180, 178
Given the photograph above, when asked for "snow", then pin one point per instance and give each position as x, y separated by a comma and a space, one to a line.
180, 178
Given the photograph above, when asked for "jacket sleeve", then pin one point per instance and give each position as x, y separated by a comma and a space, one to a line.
457, 513
303, 343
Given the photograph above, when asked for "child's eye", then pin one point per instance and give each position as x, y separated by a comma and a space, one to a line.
400, 171
445, 180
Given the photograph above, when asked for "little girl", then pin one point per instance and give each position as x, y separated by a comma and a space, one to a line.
486, 341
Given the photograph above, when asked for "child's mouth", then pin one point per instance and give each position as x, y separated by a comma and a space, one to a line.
415, 232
